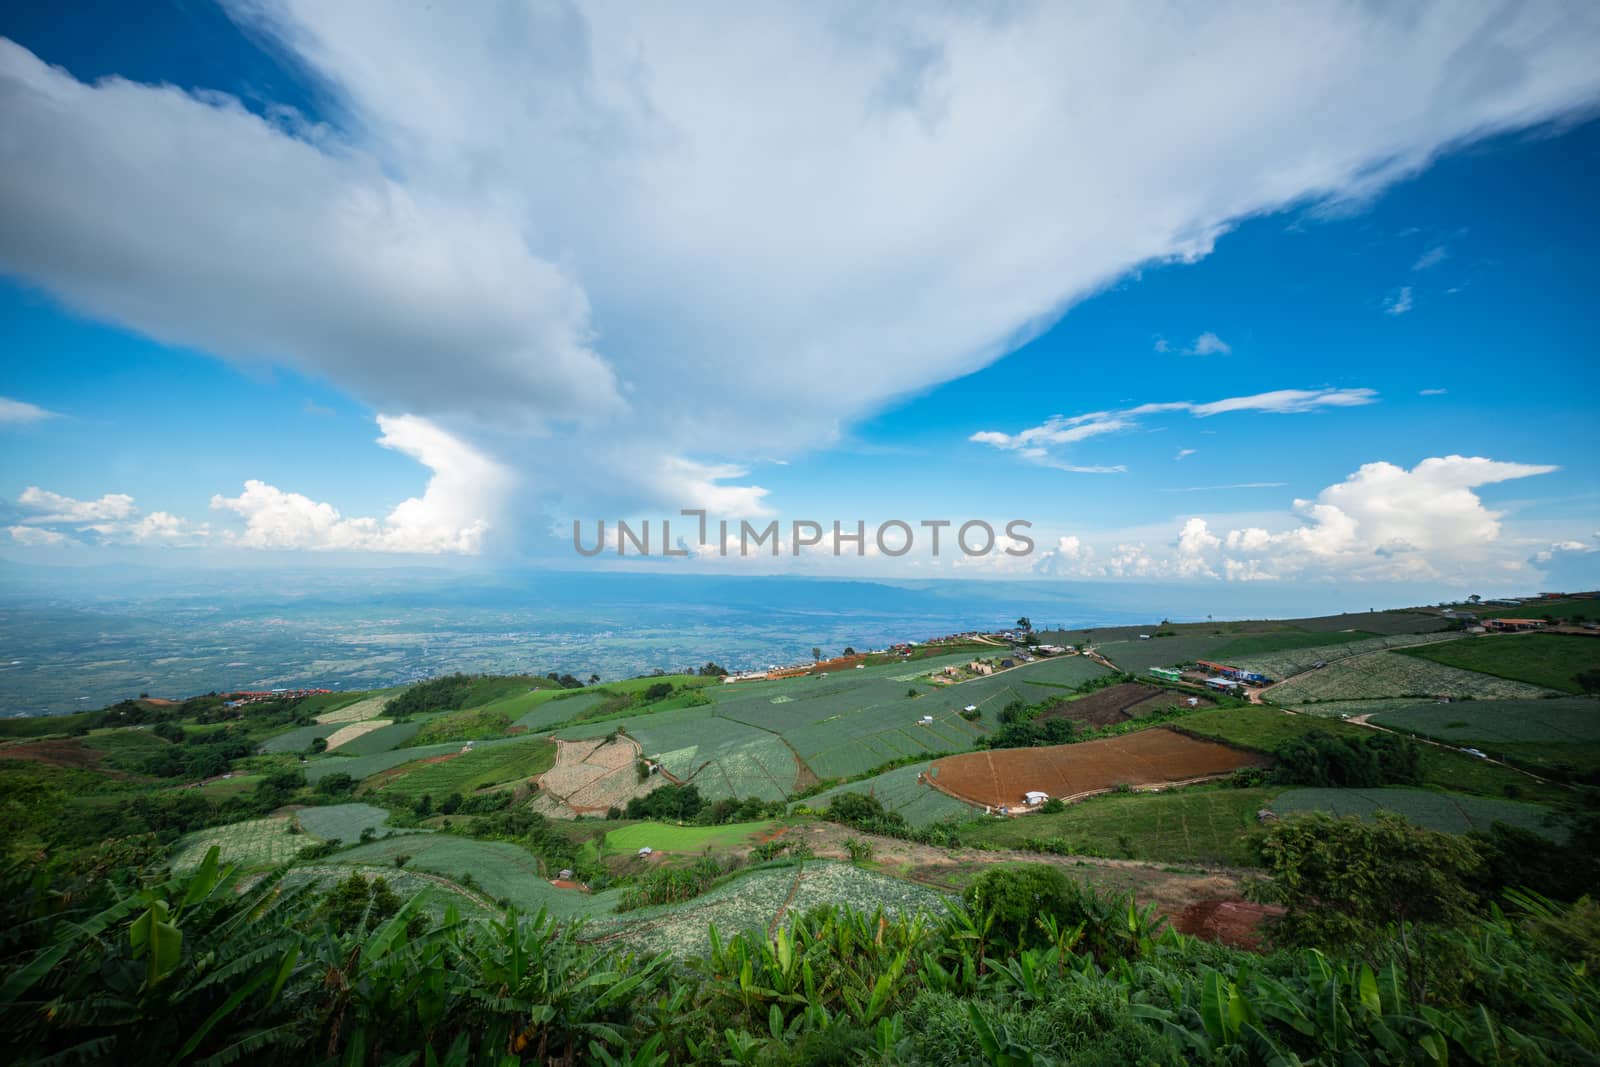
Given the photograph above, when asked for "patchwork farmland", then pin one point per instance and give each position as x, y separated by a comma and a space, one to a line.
545, 783
1383, 674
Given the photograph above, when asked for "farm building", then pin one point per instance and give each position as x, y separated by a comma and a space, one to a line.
1226, 685
1516, 625
1236, 673
1034, 797
1171, 674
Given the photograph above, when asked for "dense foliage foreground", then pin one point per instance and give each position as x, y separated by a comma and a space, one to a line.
1030, 968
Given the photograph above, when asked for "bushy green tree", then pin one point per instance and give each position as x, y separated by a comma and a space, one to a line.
1346, 881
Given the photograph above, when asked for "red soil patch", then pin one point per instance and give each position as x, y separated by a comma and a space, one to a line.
1237, 923
562, 883
771, 835
1157, 756
1118, 703
58, 753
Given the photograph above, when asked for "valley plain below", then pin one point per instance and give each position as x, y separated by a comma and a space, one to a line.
661, 814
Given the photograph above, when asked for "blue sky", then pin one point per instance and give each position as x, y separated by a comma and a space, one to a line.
572, 284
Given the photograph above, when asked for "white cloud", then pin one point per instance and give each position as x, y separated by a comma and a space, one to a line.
1182, 452
1431, 258
1163, 345
33, 536
1568, 548
22, 413
54, 509
1287, 401
1399, 302
1208, 344
453, 515
1433, 392
112, 519
575, 208
1382, 523
1035, 444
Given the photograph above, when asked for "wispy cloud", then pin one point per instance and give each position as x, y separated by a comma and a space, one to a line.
22, 413
1163, 345
1431, 258
1208, 344
1398, 303
1184, 452
1433, 392
1036, 443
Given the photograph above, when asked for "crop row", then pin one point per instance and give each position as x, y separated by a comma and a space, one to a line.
1390, 674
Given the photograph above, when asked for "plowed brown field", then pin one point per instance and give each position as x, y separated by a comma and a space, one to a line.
1148, 757
1118, 703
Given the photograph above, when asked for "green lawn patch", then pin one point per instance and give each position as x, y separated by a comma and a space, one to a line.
664, 837
1200, 824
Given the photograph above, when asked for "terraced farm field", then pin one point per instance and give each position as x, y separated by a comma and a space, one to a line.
758, 901
1550, 660
359, 767
1264, 729
255, 843
1287, 662
1286, 641
592, 776
1346, 709
1156, 756
501, 871
1201, 824
342, 822
438, 892
383, 739
354, 731
1453, 813
900, 792
466, 772
720, 757
1559, 736
298, 740
1391, 674
1499, 721
551, 711
1137, 657
367, 708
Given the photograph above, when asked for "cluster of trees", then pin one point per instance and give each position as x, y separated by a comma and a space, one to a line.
865, 812
196, 756
1024, 731
1318, 758
683, 803
1028, 969
206, 709
446, 693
